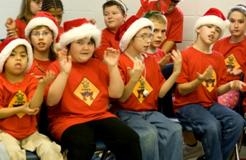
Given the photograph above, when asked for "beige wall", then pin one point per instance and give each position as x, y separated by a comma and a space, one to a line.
93, 9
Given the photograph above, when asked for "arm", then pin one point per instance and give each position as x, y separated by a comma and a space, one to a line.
177, 61
11, 28
232, 85
116, 85
189, 87
168, 46
58, 85
135, 74
25, 108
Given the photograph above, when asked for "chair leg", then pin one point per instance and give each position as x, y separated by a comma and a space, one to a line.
237, 152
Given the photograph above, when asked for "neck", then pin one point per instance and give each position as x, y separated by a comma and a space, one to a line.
14, 78
206, 48
236, 39
43, 56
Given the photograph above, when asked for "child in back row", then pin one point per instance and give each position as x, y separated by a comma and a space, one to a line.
114, 13
201, 80
20, 100
233, 49
78, 98
144, 83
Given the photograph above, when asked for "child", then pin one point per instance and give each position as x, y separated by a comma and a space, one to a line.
114, 13
202, 78
16, 28
233, 49
20, 99
42, 32
144, 83
175, 19
80, 97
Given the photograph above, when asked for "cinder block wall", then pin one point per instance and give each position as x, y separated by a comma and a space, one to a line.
93, 9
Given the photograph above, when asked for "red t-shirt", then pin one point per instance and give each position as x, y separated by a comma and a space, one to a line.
20, 26
193, 62
153, 81
39, 67
85, 97
234, 55
107, 40
158, 55
13, 95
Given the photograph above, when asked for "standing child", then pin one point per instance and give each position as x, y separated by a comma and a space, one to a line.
114, 13
144, 83
16, 28
20, 99
201, 80
80, 97
233, 49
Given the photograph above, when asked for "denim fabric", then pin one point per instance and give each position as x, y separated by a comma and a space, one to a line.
3, 153
160, 138
218, 128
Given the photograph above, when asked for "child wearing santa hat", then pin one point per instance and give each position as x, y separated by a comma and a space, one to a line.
79, 96
160, 138
20, 100
201, 80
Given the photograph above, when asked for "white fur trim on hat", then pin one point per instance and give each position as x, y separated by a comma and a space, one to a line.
211, 19
41, 21
132, 30
5, 53
76, 33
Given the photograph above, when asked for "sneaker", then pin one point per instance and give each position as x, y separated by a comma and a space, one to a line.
192, 152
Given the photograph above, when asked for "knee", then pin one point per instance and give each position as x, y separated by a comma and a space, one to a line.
212, 128
149, 136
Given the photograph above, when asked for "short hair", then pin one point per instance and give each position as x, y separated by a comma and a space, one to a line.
48, 4
156, 16
117, 3
239, 7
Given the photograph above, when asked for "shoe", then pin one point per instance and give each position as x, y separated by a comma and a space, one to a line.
192, 152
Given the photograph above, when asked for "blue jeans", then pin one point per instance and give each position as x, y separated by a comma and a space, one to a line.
219, 128
3, 153
160, 138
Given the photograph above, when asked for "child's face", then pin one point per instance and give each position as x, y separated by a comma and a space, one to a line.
113, 17
35, 6
41, 39
17, 61
237, 25
159, 34
57, 13
141, 41
82, 50
208, 33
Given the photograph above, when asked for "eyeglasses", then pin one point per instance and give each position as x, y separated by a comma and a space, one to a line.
38, 34
145, 36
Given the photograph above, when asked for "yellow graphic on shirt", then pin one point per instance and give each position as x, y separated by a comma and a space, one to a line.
211, 82
142, 89
18, 100
86, 91
231, 62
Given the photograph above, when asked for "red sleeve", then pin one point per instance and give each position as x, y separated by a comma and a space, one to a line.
20, 26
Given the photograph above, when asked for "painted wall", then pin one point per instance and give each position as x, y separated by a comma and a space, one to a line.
93, 9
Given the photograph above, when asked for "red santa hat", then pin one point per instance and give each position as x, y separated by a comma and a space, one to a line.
128, 30
212, 16
42, 18
79, 28
7, 46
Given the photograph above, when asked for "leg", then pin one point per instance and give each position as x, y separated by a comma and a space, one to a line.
205, 126
45, 149
232, 127
12, 146
79, 141
119, 138
169, 136
148, 133
3, 153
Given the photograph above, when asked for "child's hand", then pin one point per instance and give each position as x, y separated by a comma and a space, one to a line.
111, 56
237, 85
177, 61
137, 70
30, 111
47, 78
235, 72
11, 28
207, 74
65, 61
